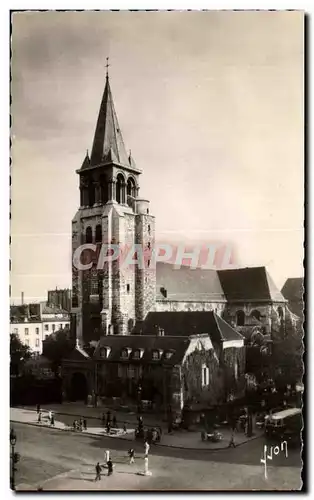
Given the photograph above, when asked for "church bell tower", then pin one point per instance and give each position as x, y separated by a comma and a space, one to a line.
109, 300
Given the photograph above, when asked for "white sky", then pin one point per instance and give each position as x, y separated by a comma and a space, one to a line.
211, 105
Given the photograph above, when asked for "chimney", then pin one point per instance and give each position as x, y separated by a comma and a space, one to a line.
160, 332
22, 298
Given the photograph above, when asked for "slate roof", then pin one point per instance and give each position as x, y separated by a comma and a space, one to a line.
108, 142
293, 289
186, 323
187, 284
249, 284
149, 343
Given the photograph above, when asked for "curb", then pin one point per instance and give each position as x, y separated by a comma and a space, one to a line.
86, 433
81, 415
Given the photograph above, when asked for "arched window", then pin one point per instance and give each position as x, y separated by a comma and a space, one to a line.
240, 318
89, 235
98, 236
131, 187
280, 312
91, 193
120, 189
256, 314
130, 325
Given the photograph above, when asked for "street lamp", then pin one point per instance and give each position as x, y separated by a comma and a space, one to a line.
14, 457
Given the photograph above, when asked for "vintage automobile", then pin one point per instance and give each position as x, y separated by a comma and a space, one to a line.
214, 437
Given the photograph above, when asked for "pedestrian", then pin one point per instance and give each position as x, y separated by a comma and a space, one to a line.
131, 455
108, 427
108, 417
39, 417
114, 422
124, 428
146, 448
110, 467
103, 420
98, 471
85, 424
38, 408
231, 442
49, 415
81, 424
52, 420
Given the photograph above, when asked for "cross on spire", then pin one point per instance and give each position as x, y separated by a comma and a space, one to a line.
107, 66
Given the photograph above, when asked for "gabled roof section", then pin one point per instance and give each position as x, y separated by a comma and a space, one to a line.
108, 143
185, 284
293, 289
187, 323
252, 284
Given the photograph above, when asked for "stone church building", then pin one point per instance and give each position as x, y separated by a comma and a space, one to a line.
135, 324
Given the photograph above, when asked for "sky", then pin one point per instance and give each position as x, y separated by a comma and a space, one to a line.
211, 105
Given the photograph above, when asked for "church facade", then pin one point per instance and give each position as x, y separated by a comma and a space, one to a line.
115, 308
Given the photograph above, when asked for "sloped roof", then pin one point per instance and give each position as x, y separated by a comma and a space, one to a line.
50, 309
108, 138
293, 289
249, 284
186, 323
149, 343
187, 284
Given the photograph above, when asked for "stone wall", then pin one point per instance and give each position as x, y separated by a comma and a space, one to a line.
175, 305
265, 310
145, 294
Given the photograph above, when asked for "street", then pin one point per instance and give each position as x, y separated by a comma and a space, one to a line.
58, 460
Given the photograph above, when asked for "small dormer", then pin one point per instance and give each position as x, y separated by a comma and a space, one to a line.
125, 353
169, 354
156, 354
105, 352
138, 353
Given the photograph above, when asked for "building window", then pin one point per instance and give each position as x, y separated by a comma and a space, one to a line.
16, 331
137, 354
89, 235
131, 371
128, 288
46, 336
98, 235
37, 343
240, 318
156, 354
125, 353
46, 328
53, 327
148, 228
169, 354
26, 331
205, 375
27, 342
37, 331
148, 245
60, 326
67, 325
148, 263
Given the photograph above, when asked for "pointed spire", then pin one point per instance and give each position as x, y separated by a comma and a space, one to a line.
86, 162
108, 139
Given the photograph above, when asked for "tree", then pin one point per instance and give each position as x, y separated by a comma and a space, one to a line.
57, 347
19, 353
287, 358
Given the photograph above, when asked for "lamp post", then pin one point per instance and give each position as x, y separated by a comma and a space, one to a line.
14, 457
